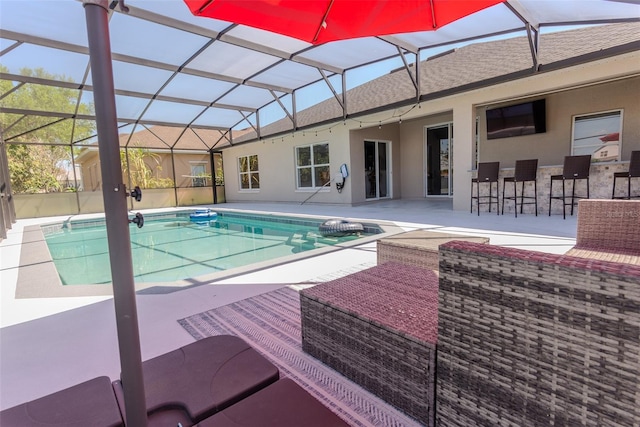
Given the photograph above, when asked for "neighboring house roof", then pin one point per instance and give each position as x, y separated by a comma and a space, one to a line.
166, 137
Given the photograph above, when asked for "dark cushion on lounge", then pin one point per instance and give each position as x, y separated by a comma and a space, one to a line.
202, 378
91, 403
282, 404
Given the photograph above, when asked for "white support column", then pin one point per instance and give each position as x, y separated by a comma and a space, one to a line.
464, 134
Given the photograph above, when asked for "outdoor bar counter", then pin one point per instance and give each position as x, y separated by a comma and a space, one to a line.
600, 185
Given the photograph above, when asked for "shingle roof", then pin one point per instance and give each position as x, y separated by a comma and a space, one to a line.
470, 66
166, 137
465, 67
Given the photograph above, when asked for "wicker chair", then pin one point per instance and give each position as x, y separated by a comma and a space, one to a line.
575, 168
608, 230
526, 170
633, 172
487, 174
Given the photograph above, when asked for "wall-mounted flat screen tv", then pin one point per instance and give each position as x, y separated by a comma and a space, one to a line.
515, 120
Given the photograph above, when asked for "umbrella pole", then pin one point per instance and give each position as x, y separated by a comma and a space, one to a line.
116, 214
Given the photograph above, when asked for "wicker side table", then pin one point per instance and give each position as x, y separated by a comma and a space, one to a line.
419, 247
378, 327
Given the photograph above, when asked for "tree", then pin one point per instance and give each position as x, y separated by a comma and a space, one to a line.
38, 147
36, 168
141, 173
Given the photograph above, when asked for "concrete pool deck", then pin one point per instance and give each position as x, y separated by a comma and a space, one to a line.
47, 344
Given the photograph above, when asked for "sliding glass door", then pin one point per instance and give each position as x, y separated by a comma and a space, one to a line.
439, 162
377, 169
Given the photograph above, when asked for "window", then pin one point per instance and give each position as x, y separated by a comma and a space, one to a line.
599, 135
249, 172
312, 165
198, 174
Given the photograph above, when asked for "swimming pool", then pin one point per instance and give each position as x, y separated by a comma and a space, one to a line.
172, 247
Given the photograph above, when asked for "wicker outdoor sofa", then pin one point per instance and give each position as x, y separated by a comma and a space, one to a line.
608, 230
378, 327
535, 339
522, 338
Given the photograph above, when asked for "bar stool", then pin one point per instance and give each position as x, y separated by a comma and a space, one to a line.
526, 170
575, 168
487, 174
634, 172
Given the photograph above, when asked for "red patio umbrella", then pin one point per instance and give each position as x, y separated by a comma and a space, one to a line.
322, 21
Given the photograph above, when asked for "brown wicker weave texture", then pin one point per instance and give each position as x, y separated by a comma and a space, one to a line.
533, 339
378, 327
609, 225
608, 230
418, 248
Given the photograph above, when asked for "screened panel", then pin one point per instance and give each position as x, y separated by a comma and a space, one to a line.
193, 169
130, 107
55, 20
218, 117
196, 139
472, 26
138, 78
54, 64
315, 93
199, 88
271, 113
287, 45
328, 109
146, 169
171, 112
350, 53
360, 75
288, 75
138, 38
10, 132
36, 168
247, 96
44, 98
48, 132
227, 59
158, 46
177, 10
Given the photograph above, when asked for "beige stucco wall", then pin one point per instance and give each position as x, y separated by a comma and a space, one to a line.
276, 158
389, 133
183, 162
584, 75
576, 90
412, 157
551, 147
42, 205
91, 171
277, 155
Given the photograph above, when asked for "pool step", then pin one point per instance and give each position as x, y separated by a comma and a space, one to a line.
306, 240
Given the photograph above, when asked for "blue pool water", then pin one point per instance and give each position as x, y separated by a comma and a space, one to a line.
171, 249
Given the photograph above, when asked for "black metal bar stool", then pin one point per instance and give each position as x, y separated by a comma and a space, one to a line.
526, 170
634, 172
487, 174
575, 168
